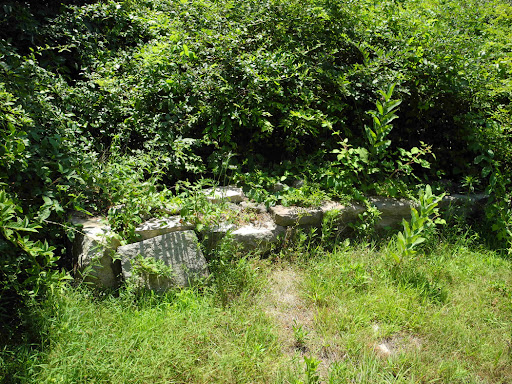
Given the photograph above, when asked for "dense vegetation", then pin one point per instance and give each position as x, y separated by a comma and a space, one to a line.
118, 102
445, 318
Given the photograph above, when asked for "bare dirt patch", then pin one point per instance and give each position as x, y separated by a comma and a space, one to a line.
285, 305
295, 319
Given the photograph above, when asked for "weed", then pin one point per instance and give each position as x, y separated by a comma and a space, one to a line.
411, 237
300, 334
146, 271
312, 376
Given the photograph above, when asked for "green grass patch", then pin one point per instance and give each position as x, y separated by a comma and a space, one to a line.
443, 317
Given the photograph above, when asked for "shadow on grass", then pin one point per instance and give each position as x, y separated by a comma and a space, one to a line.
427, 288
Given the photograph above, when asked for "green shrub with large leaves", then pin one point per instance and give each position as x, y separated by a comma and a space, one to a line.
273, 78
185, 82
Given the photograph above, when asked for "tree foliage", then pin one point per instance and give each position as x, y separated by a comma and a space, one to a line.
186, 82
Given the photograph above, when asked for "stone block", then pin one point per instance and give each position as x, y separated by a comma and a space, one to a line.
217, 233
258, 237
291, 216
345, 213
219, 194
92, 251
178, 250
392, 210
469, 202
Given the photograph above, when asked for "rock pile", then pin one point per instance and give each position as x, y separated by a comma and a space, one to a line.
168, 251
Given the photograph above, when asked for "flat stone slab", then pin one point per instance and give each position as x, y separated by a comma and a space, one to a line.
258, 237
92, 251
158, 227
291, 216
219, 194
178, 250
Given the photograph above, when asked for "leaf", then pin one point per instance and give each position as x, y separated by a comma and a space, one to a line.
417, 241
396, 257
378, 104
363, 154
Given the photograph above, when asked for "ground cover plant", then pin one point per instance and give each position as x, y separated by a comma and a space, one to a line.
443, 317
127, 108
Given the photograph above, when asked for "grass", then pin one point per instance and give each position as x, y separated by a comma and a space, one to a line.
444, 317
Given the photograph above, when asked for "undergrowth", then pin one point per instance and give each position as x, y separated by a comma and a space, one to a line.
443, 317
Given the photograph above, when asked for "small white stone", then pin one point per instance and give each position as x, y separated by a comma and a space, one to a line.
383, 350
158, 227
219, 194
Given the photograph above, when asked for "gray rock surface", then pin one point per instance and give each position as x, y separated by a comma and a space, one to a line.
261, 237
291, 216
457, 200
253, 207
298, 183
392, 210
158, 227
352, 211
178, 250
92, 251
345, 213
217, 233
219, 194
331, 206
278, 187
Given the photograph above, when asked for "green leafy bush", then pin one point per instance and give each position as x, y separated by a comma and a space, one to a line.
105, 103
28, 269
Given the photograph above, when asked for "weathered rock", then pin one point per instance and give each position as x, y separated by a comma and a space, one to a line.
392, 210
298, 183
331, 206
219, 194
351, 212
222, 228
217, 233
261, 237
254, 207
464, 201
178, 250
344, 213
92, 252
233, 207
278, 187
158, 227
291, 216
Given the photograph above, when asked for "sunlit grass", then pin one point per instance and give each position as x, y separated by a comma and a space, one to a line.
445, 317
371, 322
